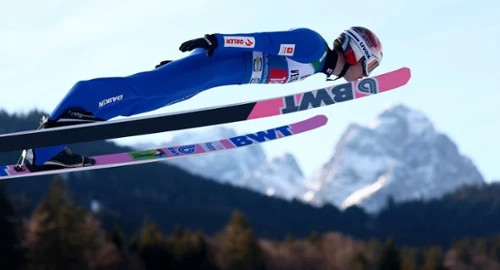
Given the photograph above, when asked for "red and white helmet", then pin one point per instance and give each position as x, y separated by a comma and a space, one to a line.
360, 44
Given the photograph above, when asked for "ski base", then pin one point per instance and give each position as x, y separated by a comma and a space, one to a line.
153, 155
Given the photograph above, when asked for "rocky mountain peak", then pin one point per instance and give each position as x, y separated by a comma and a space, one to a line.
398, 154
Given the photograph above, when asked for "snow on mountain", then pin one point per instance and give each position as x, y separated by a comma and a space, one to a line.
398, 154
247, 167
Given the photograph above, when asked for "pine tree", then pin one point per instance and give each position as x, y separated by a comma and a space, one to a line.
434, 259
480, 247
314, 238
118, 237
360, 261
390, 259
190, 250
409, 259
152, 245
494, 249
53, 237
463, 252
12, 251
51, 247
241, 248
62, 235
289, 239
100, 252
201, 253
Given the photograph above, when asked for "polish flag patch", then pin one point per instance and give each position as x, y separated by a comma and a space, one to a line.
287, 49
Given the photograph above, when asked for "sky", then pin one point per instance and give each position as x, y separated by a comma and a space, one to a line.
450, 46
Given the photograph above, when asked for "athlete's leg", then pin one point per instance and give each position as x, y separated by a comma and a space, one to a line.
106, 98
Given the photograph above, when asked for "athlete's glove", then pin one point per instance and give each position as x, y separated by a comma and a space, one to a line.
208, 42
162, 63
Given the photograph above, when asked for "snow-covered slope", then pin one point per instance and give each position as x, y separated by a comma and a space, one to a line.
248, 167
399, 154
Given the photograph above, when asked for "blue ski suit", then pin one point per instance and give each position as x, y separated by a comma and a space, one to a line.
244, 58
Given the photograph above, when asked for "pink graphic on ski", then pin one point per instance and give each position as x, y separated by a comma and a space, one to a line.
331, 95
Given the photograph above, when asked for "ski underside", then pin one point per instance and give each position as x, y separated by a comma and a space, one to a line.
152, 155
133, 126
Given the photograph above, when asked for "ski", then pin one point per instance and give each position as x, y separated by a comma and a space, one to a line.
152, 155
256, 109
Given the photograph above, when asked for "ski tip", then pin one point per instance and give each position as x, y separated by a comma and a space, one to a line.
317, 120
403, 72
407, 71
321, 119
310, 123
395, 78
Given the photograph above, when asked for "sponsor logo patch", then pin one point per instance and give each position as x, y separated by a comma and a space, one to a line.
110, 100
239, 42
149, 154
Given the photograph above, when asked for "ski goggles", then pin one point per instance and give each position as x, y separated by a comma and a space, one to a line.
361, 52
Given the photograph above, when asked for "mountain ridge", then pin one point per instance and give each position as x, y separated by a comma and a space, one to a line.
367, 161
399, 153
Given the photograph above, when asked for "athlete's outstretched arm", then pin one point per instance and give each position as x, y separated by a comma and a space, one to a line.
300, 43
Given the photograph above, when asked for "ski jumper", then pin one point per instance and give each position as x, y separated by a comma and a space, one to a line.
260, 58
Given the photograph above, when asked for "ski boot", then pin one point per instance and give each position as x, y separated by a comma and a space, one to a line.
66, 158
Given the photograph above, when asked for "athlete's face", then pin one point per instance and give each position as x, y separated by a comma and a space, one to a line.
355, 72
